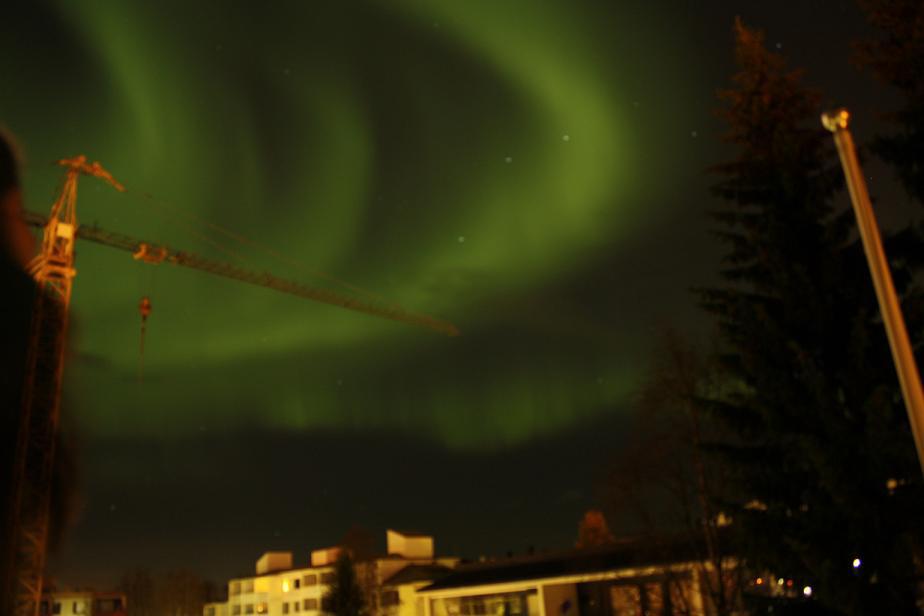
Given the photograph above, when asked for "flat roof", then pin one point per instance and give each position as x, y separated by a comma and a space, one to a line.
417, 573
621, 555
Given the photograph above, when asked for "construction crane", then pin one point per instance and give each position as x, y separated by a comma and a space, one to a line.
53, 270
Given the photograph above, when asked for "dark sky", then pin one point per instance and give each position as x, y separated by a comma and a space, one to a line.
533, 172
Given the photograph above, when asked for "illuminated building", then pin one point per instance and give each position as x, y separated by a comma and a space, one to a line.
279, 588
84, 602
611, 580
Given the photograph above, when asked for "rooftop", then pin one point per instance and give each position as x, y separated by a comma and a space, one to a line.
621, 555
417, 573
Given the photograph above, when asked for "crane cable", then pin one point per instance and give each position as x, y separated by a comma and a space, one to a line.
154, 203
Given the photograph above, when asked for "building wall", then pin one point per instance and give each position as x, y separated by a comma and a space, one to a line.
603, 593
297, 591
84, 603
560, 599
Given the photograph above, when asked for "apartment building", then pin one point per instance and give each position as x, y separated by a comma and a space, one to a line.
83, 602
627, 578
278, 587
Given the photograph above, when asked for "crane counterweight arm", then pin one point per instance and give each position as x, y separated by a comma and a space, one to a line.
154, 253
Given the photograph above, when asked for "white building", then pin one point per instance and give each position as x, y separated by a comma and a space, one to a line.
279, 588
626, 578
84, 602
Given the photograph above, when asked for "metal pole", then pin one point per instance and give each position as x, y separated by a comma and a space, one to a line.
902, 353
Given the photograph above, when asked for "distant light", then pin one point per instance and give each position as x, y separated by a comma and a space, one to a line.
759, 581
807, 591
566, 137
789, 583
856, 563
779, 582
285, 586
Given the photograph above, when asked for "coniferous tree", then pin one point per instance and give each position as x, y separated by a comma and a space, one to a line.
821, 463
345, 596
897, 58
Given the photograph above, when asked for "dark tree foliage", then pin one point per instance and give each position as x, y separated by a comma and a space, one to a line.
345, 595
665, 481
897, 58
820, 462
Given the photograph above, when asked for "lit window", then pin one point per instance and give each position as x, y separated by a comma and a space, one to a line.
79, 607
285, 586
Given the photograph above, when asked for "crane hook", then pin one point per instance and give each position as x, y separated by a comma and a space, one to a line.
144, 307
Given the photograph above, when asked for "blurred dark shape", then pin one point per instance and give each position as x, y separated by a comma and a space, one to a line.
17, 292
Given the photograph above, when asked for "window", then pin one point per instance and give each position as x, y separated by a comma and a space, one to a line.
248, 586
261, 608
235, 610
654, 596
235, 588
311, 580
248, 609
296, 605
311, 604
285, 608
79, 607
512, 603
298, 583
56, 607
327, 578
626, 600
109, 605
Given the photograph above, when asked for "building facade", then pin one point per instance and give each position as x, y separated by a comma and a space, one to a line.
278, 588
618, 579
85, 603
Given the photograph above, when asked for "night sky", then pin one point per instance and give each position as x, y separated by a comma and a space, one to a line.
534, 172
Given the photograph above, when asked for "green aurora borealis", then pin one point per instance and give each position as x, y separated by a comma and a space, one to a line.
533, 172
442, 154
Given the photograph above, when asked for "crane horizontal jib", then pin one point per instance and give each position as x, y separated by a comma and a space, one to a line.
155, 253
